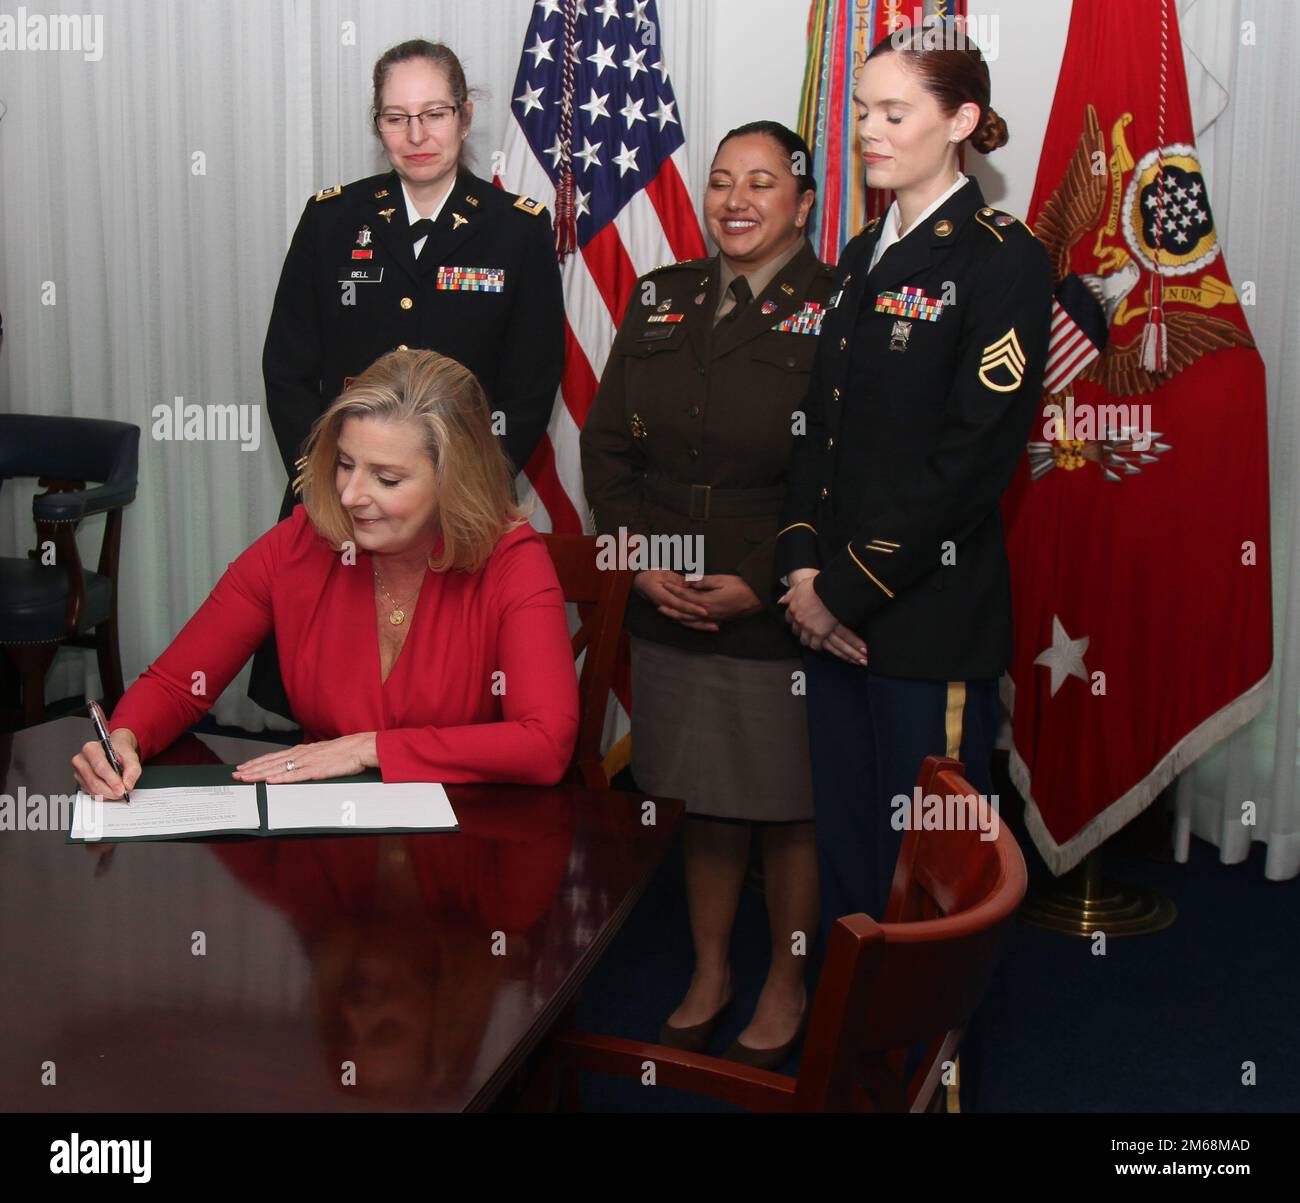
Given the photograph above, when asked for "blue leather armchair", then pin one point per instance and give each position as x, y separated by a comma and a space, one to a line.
44, 604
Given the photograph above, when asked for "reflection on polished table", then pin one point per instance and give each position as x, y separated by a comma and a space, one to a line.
250, 974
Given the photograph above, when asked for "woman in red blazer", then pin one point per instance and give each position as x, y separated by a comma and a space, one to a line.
420, 625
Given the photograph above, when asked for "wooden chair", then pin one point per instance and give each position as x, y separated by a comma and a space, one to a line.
47, 603
601, 597
885, 988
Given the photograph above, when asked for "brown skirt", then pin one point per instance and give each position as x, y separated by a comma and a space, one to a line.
727, 736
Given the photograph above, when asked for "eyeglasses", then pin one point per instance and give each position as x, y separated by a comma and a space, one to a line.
393, 122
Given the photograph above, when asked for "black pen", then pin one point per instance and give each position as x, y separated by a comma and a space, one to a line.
101, 729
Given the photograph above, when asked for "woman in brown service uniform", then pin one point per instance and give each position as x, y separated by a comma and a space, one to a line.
689, 436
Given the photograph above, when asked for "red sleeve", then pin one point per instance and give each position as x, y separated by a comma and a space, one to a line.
178, 689
533, 743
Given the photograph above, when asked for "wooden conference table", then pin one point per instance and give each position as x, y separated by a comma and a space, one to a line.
310, 973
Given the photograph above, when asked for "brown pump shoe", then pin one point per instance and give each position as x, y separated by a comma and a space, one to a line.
694, 1039
767, 1058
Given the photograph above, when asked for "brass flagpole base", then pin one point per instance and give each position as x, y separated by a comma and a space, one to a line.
1083, 902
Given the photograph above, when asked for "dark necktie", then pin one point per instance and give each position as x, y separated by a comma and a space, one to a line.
421, 229
743, 294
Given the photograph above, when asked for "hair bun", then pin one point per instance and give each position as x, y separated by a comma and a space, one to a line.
991, 134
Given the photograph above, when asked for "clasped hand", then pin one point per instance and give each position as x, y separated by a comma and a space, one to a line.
815, 625
700, 605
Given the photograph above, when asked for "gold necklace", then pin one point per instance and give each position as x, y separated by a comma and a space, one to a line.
397, 615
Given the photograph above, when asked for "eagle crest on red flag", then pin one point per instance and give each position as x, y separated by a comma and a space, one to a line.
1142, 613
1140, 276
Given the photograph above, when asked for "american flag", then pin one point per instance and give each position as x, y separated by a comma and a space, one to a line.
596, 136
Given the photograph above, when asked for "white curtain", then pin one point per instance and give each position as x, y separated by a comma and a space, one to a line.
1245, 93
142, 196
151, 183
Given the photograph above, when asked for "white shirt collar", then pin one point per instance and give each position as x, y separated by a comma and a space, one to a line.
413, 214
889, 232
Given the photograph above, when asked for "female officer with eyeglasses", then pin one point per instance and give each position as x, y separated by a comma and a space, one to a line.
427, 256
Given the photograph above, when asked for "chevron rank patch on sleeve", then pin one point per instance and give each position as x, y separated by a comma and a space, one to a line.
1002, 365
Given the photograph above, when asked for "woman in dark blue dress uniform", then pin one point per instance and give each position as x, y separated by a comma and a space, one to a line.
426, 256
926, 383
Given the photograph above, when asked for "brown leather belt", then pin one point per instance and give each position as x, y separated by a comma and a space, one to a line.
700, 502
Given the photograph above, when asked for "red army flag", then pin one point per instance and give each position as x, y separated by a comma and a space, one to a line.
1137, 528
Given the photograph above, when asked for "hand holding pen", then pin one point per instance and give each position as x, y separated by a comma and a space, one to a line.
109, 765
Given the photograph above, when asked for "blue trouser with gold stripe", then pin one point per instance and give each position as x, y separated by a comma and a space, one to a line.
868, 735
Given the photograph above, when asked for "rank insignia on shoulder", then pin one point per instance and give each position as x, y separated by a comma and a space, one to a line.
870, 227
994, 222
528, 205
327, 193
1002, 365
807, 321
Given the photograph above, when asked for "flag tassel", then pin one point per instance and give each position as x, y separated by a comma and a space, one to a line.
1155, 335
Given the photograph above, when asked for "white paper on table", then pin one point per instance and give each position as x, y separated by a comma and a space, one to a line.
184, 810
367, 805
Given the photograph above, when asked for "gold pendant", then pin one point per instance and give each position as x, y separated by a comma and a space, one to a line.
397, 617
